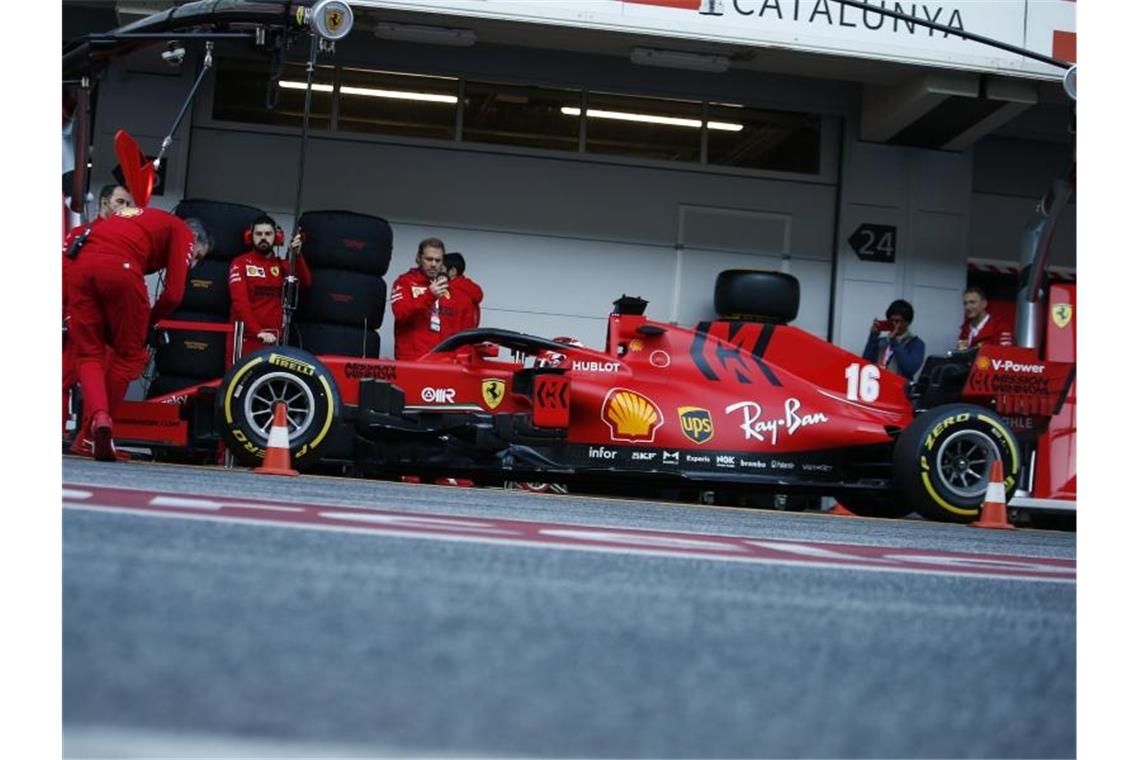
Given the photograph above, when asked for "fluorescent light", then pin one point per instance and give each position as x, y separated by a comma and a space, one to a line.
645, 118
433, 35
286, 84
372, 92
675, 59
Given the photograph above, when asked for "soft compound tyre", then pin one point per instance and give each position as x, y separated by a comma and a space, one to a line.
207, 288
942, 461
226, 223
759, 295
344, 298
324, 339
250, 390
347, 240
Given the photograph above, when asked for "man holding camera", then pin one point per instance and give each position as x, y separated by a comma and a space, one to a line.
422, 303
892, 345
256, 282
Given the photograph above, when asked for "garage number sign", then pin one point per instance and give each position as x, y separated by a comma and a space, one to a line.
874, 242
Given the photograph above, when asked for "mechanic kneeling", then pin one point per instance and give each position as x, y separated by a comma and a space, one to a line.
111, 310
256, 281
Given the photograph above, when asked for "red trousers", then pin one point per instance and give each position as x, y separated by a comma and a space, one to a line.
110, 310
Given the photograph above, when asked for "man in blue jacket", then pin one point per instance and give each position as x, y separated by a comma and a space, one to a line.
897, 348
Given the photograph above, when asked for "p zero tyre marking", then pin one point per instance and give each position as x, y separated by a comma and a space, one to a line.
1014, 462
233, 384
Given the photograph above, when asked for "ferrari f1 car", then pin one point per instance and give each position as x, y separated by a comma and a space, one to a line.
745, 403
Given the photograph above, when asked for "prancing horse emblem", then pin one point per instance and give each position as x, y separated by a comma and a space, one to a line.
493, 390
1062, 314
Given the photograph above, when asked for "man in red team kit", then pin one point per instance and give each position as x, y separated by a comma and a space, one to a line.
111, 199
421, 302
257, 279
111, 311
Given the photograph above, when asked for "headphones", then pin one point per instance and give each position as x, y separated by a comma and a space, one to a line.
278, 236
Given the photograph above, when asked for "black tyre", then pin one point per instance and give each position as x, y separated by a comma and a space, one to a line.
942, 461
875, 506
764, 296
163, 385
250, 390
226, 223
186, 315
344, 298
336, 340
207, 288
192, 353
347, 240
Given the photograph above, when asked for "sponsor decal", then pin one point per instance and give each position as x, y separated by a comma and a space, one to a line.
1062, 314
733, 351
643, 456
659, 359
294, 364
595, 366
438, 395
550, 391
274, 270
129, 211
725, 460
1021, 385
195, 345
601, 452
697, 459
254, 271
779, 464
670, 457
816, 467
179, 399
760, 428
493, 391
696, 424
1008, 365
417, 291
631, 416
361, 371
636, 345
983, 362
755, 464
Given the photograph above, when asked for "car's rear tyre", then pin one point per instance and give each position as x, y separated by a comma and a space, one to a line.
757, 295
942, 461
248, 394
347, 240
344, 298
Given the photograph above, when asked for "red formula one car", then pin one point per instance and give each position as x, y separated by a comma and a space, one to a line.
740, 405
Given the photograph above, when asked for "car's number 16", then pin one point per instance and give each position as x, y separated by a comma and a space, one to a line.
862, 382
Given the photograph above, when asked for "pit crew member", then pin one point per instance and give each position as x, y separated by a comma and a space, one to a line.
467, 293
422, 302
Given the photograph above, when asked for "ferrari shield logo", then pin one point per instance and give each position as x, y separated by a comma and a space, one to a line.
334, 17
274, 271
1062, 314
493, 391
696, 424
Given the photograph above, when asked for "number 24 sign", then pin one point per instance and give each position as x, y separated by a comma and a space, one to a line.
874, 242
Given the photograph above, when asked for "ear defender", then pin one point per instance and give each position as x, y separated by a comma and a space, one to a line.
278, 237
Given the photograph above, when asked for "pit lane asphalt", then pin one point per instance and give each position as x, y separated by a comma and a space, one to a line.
185, 638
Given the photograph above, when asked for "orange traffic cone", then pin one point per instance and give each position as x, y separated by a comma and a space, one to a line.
841, 511
277, 450
993, 508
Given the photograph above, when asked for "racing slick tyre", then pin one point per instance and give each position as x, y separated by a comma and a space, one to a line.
207, 288
347, 240
226, 223
344, 298
942, 461
337, 340
739, 293
251, 389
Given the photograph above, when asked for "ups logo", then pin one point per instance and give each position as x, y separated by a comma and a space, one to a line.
696, 424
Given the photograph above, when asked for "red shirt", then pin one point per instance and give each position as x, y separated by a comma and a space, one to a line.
468, 295
151, 239
257, 281
990, 334
413, 307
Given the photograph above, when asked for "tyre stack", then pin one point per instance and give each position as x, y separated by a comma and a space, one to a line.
195, 356
348, 254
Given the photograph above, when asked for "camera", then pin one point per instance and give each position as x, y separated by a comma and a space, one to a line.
174, 54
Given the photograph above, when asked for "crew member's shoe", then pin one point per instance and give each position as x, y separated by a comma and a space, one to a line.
104, 443
84, 446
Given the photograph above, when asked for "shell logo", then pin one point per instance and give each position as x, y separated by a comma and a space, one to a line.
983, 362
630, 416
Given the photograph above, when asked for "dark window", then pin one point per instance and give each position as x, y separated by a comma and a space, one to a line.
242, 93
669, 130
391, 103
757, 139
509, 115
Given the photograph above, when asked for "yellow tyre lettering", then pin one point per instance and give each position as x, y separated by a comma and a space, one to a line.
233, 384
324, 431
1014, 462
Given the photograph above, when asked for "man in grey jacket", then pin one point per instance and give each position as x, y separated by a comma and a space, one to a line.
892, 345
